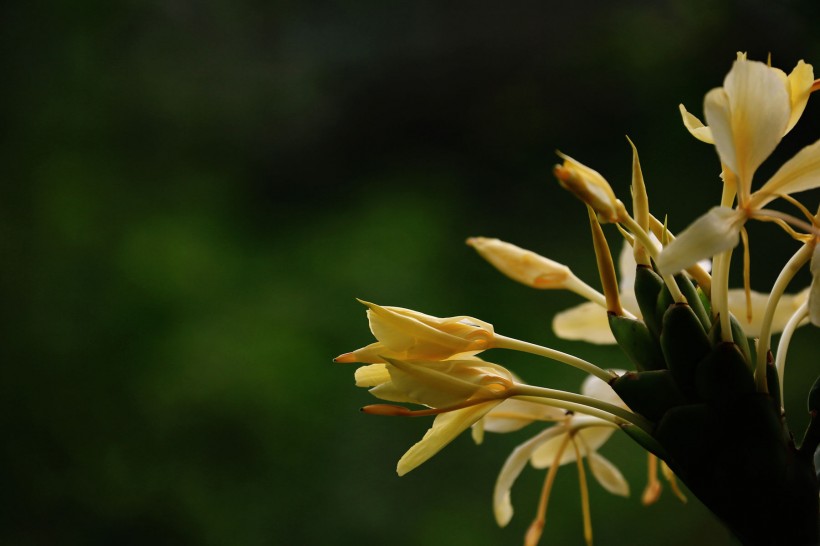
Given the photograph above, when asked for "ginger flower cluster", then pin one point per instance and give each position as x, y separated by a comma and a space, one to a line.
704, 394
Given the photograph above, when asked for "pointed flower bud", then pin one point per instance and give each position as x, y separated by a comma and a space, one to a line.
590, 187
406, 334
522, 265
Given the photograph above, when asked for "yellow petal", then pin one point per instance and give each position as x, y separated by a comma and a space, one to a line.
586, 322
446, 427
789, 303
409, 334
800, 173
515, 463
714, 232
696, 127
800, 81
608, 474
747, 117
446, 383
370, 376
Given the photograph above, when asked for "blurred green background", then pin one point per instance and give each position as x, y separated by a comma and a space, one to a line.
195, 192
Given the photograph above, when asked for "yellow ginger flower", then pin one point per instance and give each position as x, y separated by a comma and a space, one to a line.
406, 334
798, 85
747, 118
460, 391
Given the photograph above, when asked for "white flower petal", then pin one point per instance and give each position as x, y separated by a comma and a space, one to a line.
599, 389
748, 116
515, 463
586, 322
714, 232
594, 434
607, 474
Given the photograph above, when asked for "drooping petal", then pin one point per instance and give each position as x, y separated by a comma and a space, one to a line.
748, 117
515, 463
800, 173
586, 322
716, 231
446, 427
608, 474
789, 303
695, 126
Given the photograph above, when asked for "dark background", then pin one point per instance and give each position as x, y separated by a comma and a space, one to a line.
193, 193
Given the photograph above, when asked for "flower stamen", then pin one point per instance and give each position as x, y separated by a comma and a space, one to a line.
536, 528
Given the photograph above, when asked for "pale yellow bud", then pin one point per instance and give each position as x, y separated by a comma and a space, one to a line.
522, 265
590, 187
408, 334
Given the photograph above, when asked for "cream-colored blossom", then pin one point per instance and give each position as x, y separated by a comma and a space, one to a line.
406, 334
747, 118
797, 85
548, 447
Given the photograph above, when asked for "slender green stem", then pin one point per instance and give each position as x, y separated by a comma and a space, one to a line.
720, 293
504, 342
574, 284
581, 403
795, 263
785, 340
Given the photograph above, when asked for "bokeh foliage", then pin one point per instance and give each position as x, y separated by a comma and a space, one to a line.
194, 193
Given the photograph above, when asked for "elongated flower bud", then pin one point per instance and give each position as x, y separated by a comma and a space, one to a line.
522, 265
590, 187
